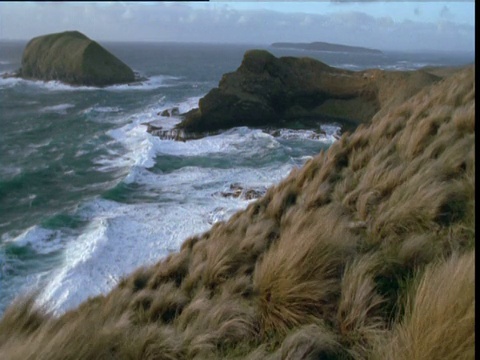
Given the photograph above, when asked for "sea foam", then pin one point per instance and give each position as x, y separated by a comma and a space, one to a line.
185, 201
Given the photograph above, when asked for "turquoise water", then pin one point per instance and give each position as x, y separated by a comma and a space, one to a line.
86, 195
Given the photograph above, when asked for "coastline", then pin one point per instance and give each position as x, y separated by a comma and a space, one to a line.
384, 204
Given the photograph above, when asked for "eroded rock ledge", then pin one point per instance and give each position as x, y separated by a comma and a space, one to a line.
266, 90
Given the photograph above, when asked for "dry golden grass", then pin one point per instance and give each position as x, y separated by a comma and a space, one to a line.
359, 313
440, 318
298, 279
366, 252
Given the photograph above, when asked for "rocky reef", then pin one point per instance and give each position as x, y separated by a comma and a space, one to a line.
72, 58
266, 90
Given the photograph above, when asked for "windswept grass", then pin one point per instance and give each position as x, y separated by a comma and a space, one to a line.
439, 322
298, 279
367, 252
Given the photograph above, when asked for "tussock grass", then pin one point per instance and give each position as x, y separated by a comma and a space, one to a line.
439, 322
366, 252
359, 313
297, 287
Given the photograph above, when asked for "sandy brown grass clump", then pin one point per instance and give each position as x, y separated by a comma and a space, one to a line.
439, 322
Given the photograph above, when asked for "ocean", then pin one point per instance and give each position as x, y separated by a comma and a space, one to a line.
87, 195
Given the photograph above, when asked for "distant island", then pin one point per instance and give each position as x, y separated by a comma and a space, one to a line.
324, 46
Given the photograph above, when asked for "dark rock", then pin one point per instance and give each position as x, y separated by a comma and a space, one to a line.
238, 191
170, 112
9, 75
73, 58
173, 134
270, 91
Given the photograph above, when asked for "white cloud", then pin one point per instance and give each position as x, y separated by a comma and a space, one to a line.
306, 21
445, 13
209, 22
242, 20
127, 14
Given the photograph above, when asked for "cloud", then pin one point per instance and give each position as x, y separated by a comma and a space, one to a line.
127, 14
219, 22
445, 13
340, 2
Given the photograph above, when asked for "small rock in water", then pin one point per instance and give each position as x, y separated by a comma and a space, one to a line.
170, 112
238, 191
152, 128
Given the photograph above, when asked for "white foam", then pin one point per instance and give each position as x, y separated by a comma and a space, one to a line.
55, 85
9, 81
122, 237
103, 109
141, 146
41, 240
312, 135
234, 140
60, 108
153, 82
119, 239
41, 144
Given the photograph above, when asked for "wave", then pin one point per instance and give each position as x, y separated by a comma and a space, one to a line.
60, 108
119, 239
151, 83
39, 239
133, 136
154, 82
156, 205
8, 82
102, 109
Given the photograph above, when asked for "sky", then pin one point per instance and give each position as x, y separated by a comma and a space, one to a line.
384, 25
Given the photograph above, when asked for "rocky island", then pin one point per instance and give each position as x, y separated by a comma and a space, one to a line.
72, 58
270, 91
324, 46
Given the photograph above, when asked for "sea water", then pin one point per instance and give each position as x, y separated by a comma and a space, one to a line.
87, 195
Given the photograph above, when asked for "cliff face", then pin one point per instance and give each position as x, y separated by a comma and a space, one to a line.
266, 90
73, 58
366, 252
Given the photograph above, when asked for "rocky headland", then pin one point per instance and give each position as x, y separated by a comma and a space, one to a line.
289, 91
72, 58
366, 252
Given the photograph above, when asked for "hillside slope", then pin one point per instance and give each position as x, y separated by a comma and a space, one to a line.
366, 252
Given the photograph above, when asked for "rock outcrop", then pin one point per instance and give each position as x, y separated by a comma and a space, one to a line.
266, 90
73, 58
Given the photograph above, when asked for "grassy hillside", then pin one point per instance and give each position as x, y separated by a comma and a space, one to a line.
366, 252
